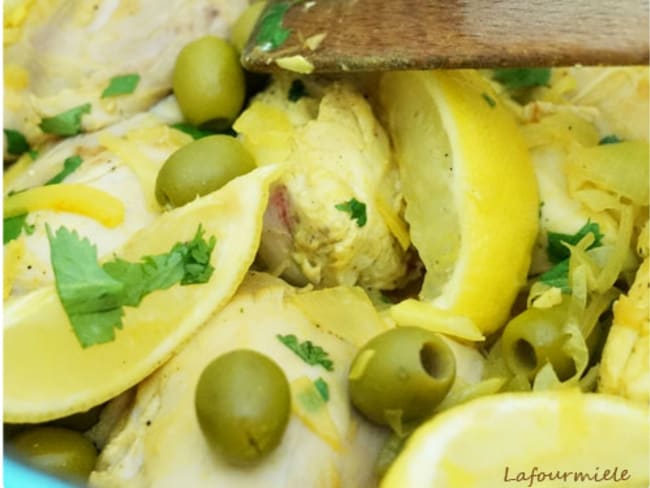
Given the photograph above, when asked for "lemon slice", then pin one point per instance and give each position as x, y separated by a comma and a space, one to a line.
470, 190
527, 439
47, 374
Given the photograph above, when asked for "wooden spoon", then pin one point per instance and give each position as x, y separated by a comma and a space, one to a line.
371, 35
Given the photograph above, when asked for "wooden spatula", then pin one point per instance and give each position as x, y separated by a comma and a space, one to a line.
369, 35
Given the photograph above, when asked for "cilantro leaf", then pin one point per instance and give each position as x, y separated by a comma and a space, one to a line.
93, 296
610, 139
307, 351
323, 388
16, 142
12, 227
515, 78
70, 165
66, 123
356, 209
121, 85
196, 258
297, 90
140, 279
271, 33
557, 276
557, 251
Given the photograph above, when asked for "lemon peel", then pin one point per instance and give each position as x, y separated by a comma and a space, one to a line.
33, 387
562, 431
470, 190
67, 197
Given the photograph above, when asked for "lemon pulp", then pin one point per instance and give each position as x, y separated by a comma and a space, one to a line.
470, 190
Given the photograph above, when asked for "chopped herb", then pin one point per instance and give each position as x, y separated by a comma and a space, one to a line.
311, 399
33, 153
539, 210
13, 226
195, 132
307, 351
323, 388
296, 91
70, 165
29, 228
556, 249
610, 139
356, 209
271, 33
67, 123
16, 142
557, 276
93, 296
121, 85
489, 100
515, 78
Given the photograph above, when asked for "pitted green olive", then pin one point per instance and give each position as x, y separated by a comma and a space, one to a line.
534, 338
208, 82
405, 372
243, 403
61, 452
201, 167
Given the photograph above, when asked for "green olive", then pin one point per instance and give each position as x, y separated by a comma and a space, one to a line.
208, 82
243, 26
243, 403
61, 452
403, 373
534, 338
201, 167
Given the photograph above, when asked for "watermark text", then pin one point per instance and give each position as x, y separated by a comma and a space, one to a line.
538, 475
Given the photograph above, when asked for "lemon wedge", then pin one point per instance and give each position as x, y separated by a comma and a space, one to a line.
469, 186
47, 374
563, 438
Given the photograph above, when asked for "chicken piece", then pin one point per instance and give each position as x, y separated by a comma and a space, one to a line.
159, 442
625, 366
122, 160
334, 216
61, 54
581, 106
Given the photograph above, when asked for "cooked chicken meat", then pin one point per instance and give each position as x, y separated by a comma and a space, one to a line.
329, 219
62, 54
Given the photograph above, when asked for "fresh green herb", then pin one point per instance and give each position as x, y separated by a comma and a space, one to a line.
66, 123
515, 78
489, 100
121, 85
93, 296
13, 226
70, 165
557, 276
556, 248
311, 400
33, 153
323, 388
16, 142
297, 90
195, 132
308, 352
29, 228
356, 209
610, 139
271, 33
539, 209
